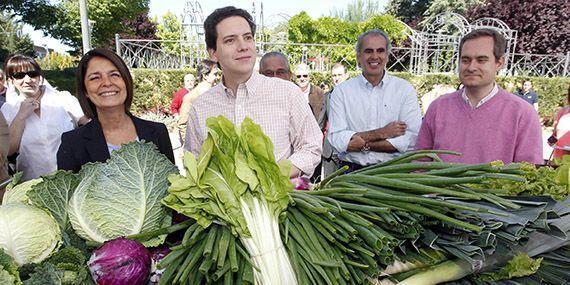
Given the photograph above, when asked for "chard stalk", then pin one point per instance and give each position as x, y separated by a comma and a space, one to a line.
265, 246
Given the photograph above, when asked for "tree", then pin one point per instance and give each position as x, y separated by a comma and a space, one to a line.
329, 30
141, 28
11, 39
408, 11
542, 25
357, 11
168, 29
414, 12
62, 21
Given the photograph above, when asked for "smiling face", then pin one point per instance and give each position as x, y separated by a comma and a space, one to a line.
104, 84
235, 47
373, 56
478, 65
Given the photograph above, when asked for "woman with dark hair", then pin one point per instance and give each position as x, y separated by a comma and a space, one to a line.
105, 91
37, 116
560, 139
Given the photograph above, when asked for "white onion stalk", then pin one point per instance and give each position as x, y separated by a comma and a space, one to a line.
265, 245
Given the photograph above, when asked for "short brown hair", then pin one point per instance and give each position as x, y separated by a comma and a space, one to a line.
19, 62
220, 14
88, 107
499, 42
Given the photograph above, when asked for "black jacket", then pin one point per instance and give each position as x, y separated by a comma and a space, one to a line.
87, 143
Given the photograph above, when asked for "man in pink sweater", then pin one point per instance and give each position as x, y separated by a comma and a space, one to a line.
482, 121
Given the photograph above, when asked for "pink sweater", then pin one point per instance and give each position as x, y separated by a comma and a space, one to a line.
504, 128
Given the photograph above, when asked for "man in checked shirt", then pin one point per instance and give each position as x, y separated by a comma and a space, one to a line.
275, 104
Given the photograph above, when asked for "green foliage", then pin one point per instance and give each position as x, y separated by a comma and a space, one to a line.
10, 42
58, 61
329, 30
409, 11
154, 89
357, 11
169, 29
61, 19
520, 265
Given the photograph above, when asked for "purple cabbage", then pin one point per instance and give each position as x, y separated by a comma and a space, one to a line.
120, 262
301, 183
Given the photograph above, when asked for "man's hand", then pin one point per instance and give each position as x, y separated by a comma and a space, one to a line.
392, 130
356, 143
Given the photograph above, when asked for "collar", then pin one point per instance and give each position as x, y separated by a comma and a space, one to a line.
250, 85
485, 99
366, 83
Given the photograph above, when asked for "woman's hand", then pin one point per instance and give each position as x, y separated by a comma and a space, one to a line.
27, 107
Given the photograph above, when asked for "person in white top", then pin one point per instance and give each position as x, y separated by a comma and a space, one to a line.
37, 117
375, 116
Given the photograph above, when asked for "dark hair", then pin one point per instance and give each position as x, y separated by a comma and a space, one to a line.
204, 68
219, 15
19, 62
373, 32
499, 42
88, 107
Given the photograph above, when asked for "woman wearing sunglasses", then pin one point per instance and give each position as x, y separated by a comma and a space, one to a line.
105, 92
37, 117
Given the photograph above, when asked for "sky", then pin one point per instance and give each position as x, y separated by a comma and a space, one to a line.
275, 11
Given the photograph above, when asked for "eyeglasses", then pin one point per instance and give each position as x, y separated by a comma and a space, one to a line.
21, 75
302, 75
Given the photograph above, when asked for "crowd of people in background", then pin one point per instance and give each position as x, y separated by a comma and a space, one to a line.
368, 119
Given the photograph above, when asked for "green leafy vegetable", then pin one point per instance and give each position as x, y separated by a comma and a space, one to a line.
17, 193
27, 233
8, 270
520, 265
122, 196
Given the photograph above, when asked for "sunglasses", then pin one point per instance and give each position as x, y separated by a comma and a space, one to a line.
21, 75
302, 75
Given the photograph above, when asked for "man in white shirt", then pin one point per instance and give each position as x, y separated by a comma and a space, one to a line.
375, 116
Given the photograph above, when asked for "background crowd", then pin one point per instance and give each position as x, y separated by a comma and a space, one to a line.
364, 120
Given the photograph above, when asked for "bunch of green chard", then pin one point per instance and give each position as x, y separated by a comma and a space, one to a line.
237, 183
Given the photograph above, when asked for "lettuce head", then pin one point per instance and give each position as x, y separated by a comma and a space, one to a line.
28, 234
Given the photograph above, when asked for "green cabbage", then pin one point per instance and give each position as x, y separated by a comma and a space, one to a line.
122, 196
28, 234
18, 193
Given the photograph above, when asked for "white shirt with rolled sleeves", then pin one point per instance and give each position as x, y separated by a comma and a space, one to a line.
60, 112
278, 106
357, 106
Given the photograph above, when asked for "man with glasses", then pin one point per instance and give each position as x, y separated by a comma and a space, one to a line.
275, 64
375, 116
312, 93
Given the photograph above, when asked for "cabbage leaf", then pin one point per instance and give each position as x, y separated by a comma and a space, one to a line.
28, 234
122, 196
